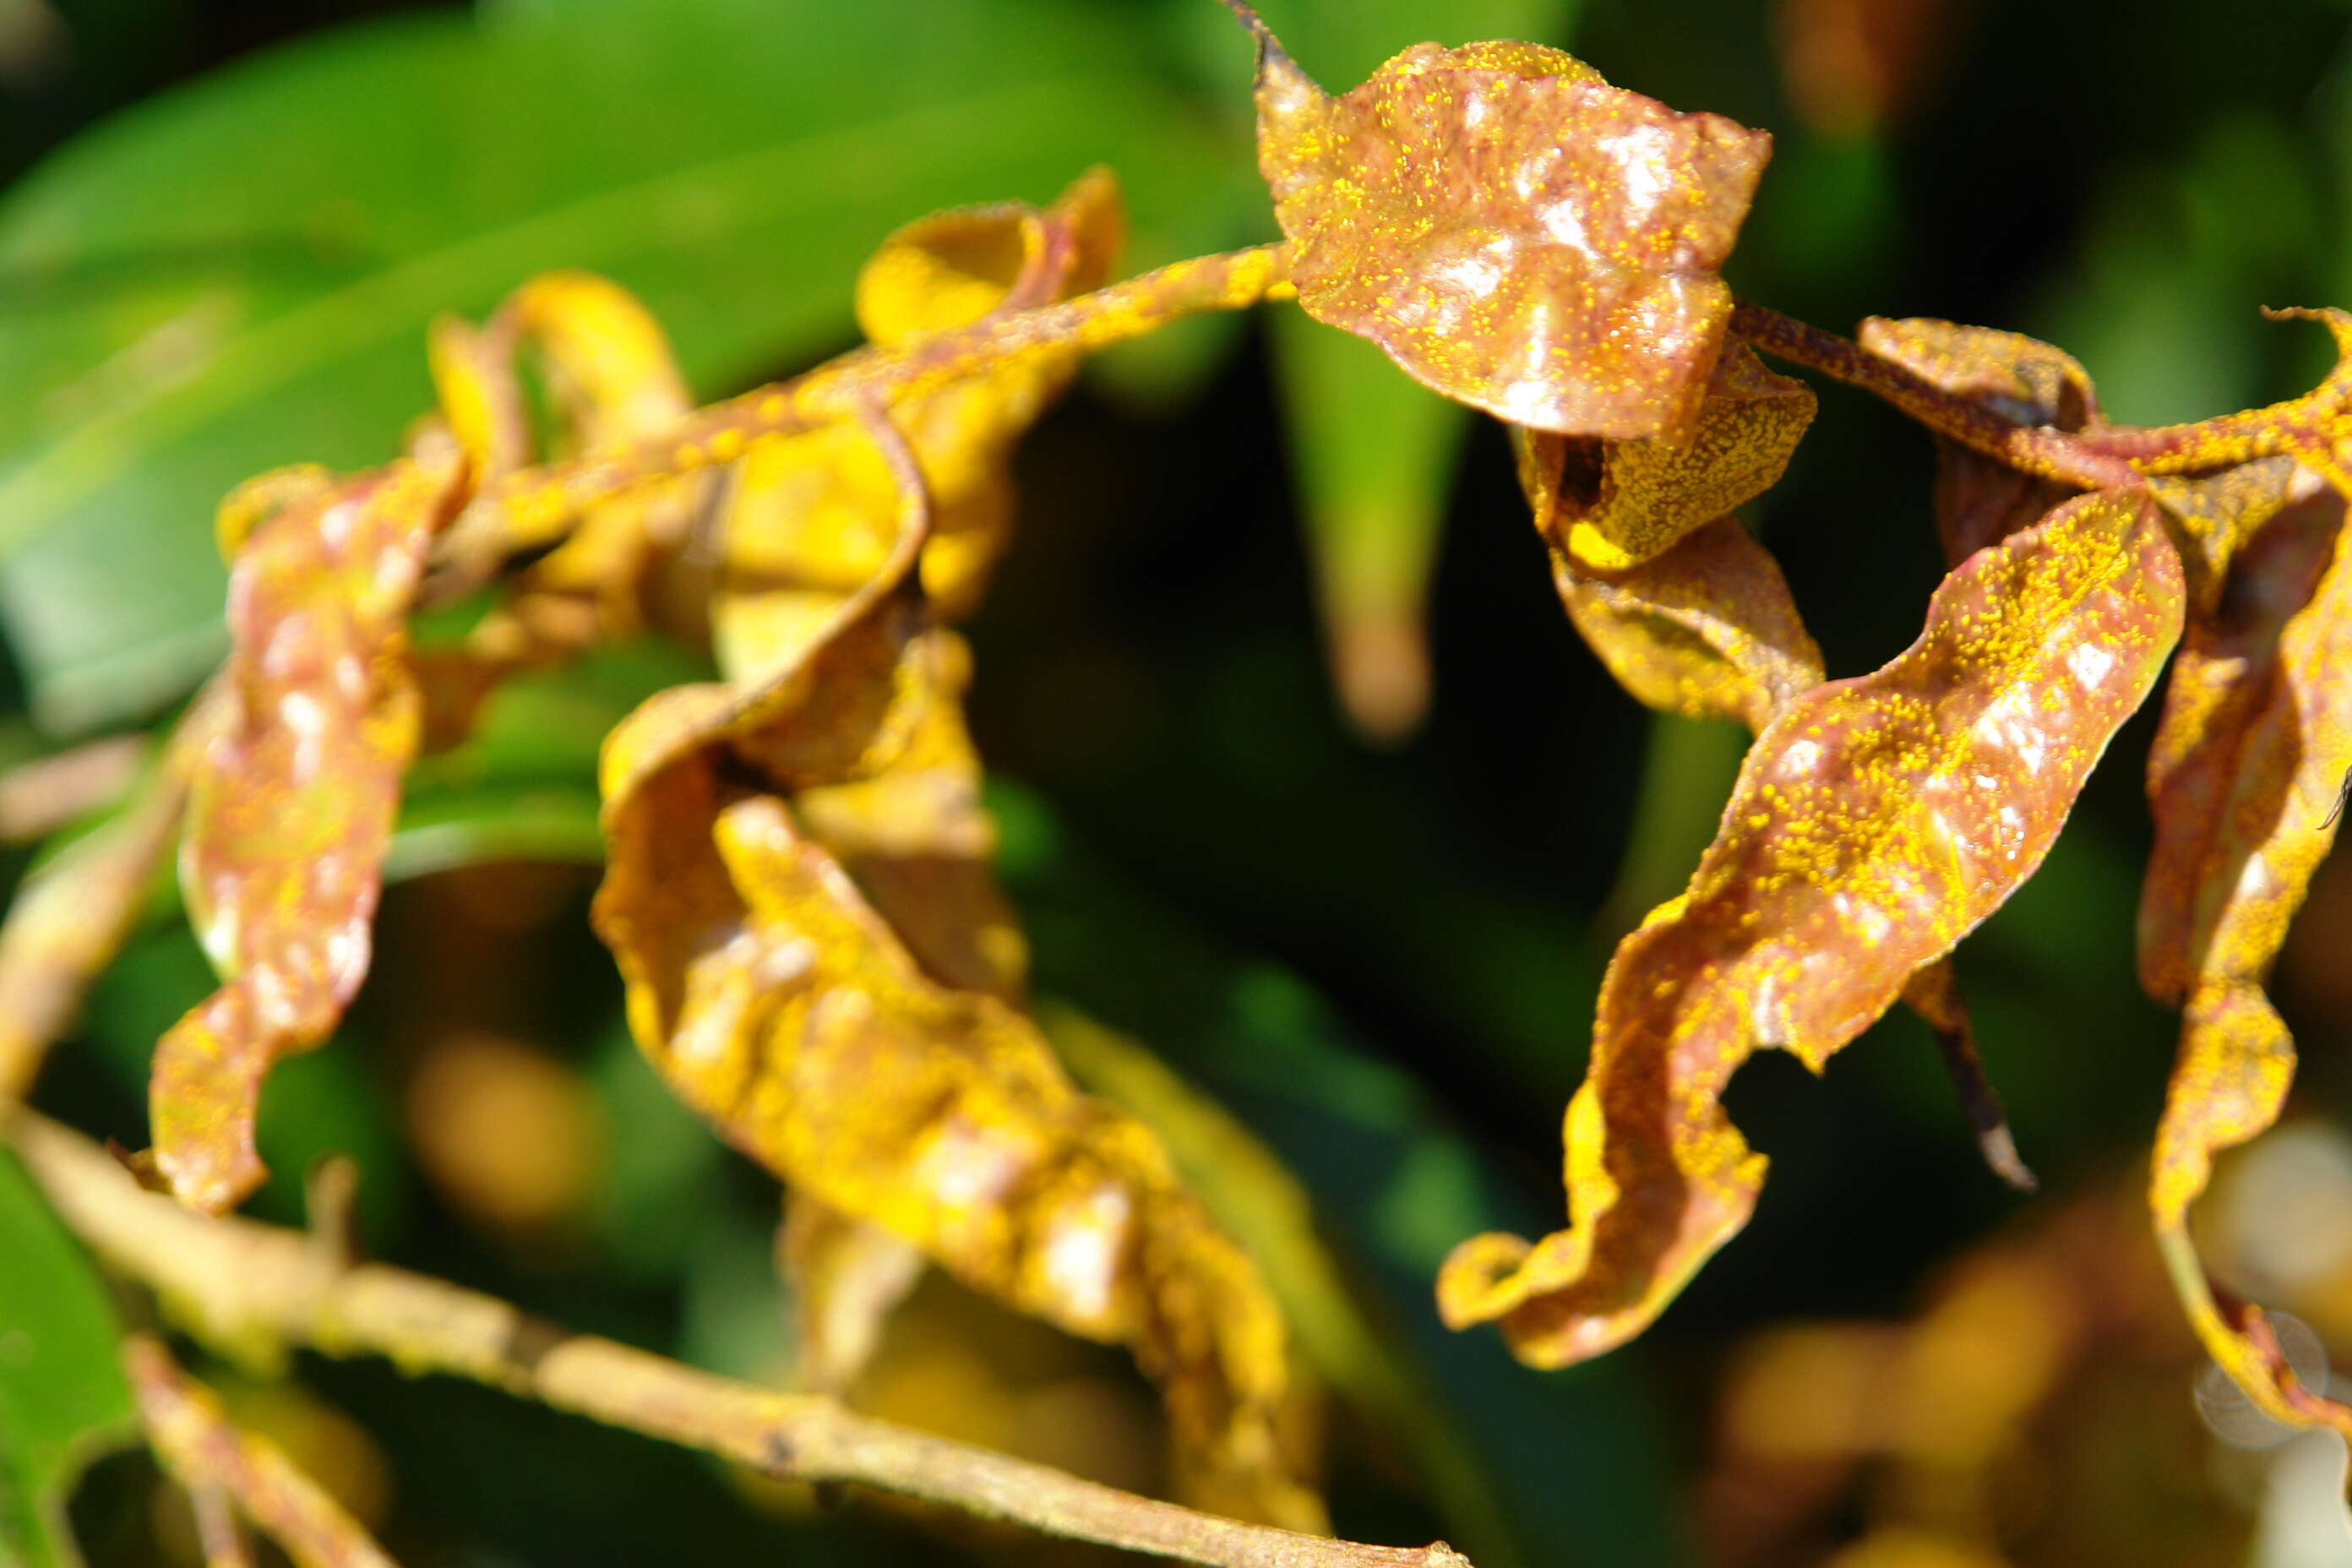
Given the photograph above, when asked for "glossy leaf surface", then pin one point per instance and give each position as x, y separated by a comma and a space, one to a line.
1515, 232
291, 807
1876, 821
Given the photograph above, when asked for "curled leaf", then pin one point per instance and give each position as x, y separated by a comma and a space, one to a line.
846, 1278
610, 378
202, 1448
775, 999
2214, 514
1706, 630
1979, 501
1609, 506
2243, 779
292, 806
1512, 230
814, 515
1876, 821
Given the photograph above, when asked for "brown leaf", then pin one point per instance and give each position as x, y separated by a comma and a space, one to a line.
1512, 230
2214, 514
1609, 506
2243, 781
1979, 501
291, 807
1873, 825
200, 1446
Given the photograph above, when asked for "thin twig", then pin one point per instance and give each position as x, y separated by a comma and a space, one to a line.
2035, 448
531, 508
234, 1282
205, 1452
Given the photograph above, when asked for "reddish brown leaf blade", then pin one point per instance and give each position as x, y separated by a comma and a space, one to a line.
2250, 757
2214, 514
1514, 232
1873, 825
1706, 630
2245, 781
291, 807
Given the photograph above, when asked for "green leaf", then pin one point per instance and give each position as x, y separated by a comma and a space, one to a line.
238, 274
1372, 451
62, 1395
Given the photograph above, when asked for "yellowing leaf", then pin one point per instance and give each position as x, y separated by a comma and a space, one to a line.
1608, 505
1706, 630
1514, 231
2243, 779
1979, 501
291, 807
847, 1277
1876, 821
2214, 514
814, 514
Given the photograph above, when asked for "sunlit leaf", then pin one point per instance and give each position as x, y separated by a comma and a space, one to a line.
1515, 232
2215, 514
290, 808
1706, 630
2243, 780
62, 1397
847, 1277
1876, 821
1608, 505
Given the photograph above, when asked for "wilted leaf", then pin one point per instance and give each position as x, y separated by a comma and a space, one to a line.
815, 515
62, 1398
2214, 515
1515, 232
1706, 630
1979, 501
1608, 505
846, 1278
292, 806
2243, 780
199, 1445
777, 1002
1874, 824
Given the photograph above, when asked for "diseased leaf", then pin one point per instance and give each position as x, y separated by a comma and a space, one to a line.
2215, 514
2243, 779
846, 1278
777, 1001
202, 1448
1979, 501
292, 806
815, 515
1609, 506
1876, 821
1706, 630
1514, 231
62, 1398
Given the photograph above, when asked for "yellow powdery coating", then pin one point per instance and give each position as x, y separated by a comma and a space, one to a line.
1875, 823
1514, 232
2243, 781
1706, 629
291, 804
1610, 505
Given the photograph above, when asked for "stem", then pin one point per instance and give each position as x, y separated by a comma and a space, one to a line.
533, 508
2036, 449
237, 1281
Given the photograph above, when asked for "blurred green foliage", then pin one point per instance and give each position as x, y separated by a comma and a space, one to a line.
237, 271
